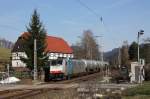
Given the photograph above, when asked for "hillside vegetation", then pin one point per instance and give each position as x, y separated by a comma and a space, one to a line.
139, 92
5, 54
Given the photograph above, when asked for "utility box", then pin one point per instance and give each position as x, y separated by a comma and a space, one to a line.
137, 72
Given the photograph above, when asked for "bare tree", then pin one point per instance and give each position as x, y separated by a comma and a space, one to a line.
87, 48
125, 54
5, 43
145, 50
78, 51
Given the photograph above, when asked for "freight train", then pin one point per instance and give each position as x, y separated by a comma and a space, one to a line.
67, 68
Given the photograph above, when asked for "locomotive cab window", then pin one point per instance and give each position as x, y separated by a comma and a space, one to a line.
59, 62
53, 62
56, 62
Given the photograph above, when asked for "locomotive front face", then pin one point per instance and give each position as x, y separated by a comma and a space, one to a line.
57, 69
56, 66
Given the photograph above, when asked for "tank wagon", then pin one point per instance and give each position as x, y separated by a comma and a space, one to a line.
67, 68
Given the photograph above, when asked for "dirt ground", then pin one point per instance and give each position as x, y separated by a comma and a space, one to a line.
57, 94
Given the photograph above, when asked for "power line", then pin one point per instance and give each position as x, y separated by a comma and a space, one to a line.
88, 8
91, 10
102, 22
98, 16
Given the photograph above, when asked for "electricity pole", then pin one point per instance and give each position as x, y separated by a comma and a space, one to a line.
35, 61
141, 32
100, 48
119, 58
8, 68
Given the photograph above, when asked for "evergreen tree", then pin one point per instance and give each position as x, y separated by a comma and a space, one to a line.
133, 51
35, 31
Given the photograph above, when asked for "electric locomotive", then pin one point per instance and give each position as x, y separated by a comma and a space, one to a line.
67, 68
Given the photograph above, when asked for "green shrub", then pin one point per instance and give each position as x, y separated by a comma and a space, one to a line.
21, 75
139, 90
147, 72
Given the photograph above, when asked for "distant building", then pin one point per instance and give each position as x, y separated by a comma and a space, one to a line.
56, 46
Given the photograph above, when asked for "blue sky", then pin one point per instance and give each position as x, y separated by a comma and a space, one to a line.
68, 19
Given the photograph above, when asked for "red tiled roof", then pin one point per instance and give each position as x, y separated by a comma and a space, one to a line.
24, 34
55, 44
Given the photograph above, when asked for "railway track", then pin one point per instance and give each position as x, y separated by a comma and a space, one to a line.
24, 93
81, 79
20, 94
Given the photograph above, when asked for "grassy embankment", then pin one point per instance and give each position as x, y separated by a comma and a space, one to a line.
139, 92
5, 55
